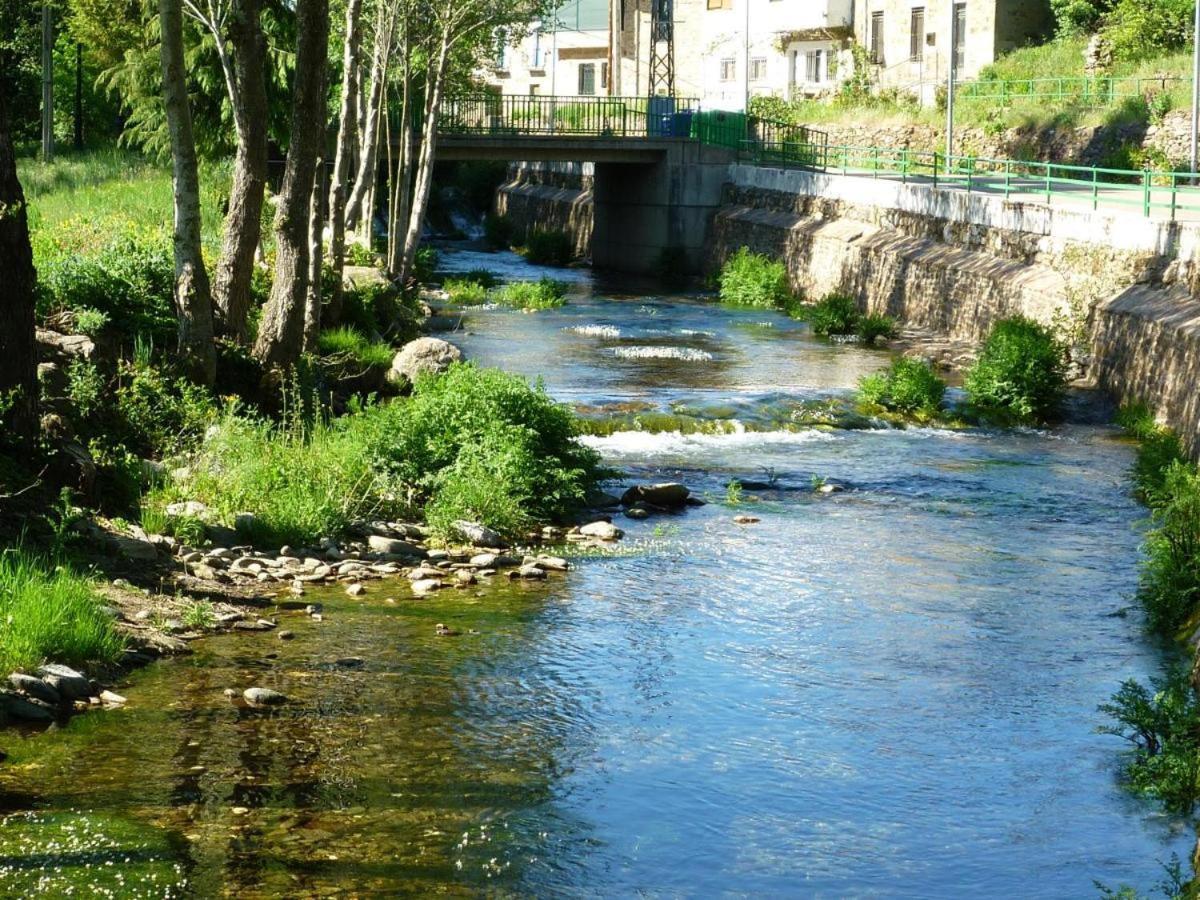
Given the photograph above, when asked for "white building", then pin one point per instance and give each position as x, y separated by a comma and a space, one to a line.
567, 55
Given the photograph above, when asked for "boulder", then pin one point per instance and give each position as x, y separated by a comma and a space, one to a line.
531, 572
71, 685
424, 356
479, 535
132, 547
423, 586
392, 546
257, 696
605, 531
191, 508
360, 277
667, 495
26, 708
71, 346
35, 688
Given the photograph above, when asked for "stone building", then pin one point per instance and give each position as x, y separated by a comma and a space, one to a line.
567, 55
907, 42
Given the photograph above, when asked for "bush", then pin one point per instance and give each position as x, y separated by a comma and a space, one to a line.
908, 386
482, 445
754, 280
873, 327
1160, 447
1170, 584
549, 248
466, 291
1140, 29
1021, 372
1160, 722
545, 293
50, 614
360, 255
425, 264
373, 308
160, 414
497, 231
835, 314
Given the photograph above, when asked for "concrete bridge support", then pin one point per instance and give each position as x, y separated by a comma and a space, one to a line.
642, 209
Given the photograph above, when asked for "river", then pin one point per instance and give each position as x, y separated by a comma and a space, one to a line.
886, 691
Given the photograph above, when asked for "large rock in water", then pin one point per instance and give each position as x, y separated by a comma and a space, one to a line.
71, 685
424, 356
667, 495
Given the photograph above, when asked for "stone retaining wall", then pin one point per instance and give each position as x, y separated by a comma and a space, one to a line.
550, 196
1122, 286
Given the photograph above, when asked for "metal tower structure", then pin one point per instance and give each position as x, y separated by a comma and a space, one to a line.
662, 48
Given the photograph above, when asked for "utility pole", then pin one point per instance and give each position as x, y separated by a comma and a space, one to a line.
950, 69
1195, 89
47, 83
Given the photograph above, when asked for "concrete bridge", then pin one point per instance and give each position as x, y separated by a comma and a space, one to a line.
657, 186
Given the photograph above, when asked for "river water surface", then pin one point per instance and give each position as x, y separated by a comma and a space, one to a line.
886, 691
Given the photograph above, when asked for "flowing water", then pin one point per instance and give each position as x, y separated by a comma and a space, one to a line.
886, 691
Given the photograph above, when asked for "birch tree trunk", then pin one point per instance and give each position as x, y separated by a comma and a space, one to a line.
18, 348
243, 223
193, 300
281, 333
312, 299
364, 179
347, 131
401, 182
424, 177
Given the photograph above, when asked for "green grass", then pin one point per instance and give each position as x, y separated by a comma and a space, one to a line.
50, 614
466, 291
546, 293
349, 344
833, 314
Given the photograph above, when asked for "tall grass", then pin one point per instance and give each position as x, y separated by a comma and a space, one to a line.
49, 613
350, 344
545, 293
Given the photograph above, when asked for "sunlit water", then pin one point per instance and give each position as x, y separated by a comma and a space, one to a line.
888, 691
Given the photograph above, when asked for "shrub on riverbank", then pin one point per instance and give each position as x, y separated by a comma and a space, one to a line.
549, 248
909, 387
49, 613
754, 280
1021, 373
1170, 585
347, 345
546, 293
466, 291
474, 444
834, 314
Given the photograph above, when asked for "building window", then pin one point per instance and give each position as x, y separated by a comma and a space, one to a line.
877, 38
758, 68
501, 38
587, 79
534, 90
604, 76
812, 66
728, 69
916, 37
539, 58
960, 35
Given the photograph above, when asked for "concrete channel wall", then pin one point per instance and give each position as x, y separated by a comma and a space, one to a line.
1124, 285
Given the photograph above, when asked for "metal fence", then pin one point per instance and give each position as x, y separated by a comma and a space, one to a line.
1172, 194
498, 115
1089, 91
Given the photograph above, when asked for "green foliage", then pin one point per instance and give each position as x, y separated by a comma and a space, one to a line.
359, 255
86, 388
754, 280
425, 263
546, 293
875, 326
50, 614
1079, 17
1140, 29
834, 314
1160, 447
1161, 724
908, 386
1170, 584
549, 248
376, 309
467, 291
1021, 372
348, 344
482, 445
90, 321
199, 615
159, 414
497, 231
733, 492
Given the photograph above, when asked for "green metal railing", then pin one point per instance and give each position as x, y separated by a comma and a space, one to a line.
1173, 194
1088, 91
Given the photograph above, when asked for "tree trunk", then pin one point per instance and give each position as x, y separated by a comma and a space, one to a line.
193, 301
78, 96
368, 161
281, 333
398, 202
347, 132
18, 349
312, 299
424, 177
243, 223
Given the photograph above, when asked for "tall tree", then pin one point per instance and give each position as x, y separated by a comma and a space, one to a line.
243, 222
281, 333
347, 132
193, 299
357, 206
18, 349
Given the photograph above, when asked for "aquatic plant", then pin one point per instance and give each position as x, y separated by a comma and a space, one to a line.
1020, 374
908, 386
467, 291
549, 248
754, 280
875, 326
833, 314
733, 492
546, 293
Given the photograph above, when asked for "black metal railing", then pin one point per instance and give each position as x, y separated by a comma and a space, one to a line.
495, 115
